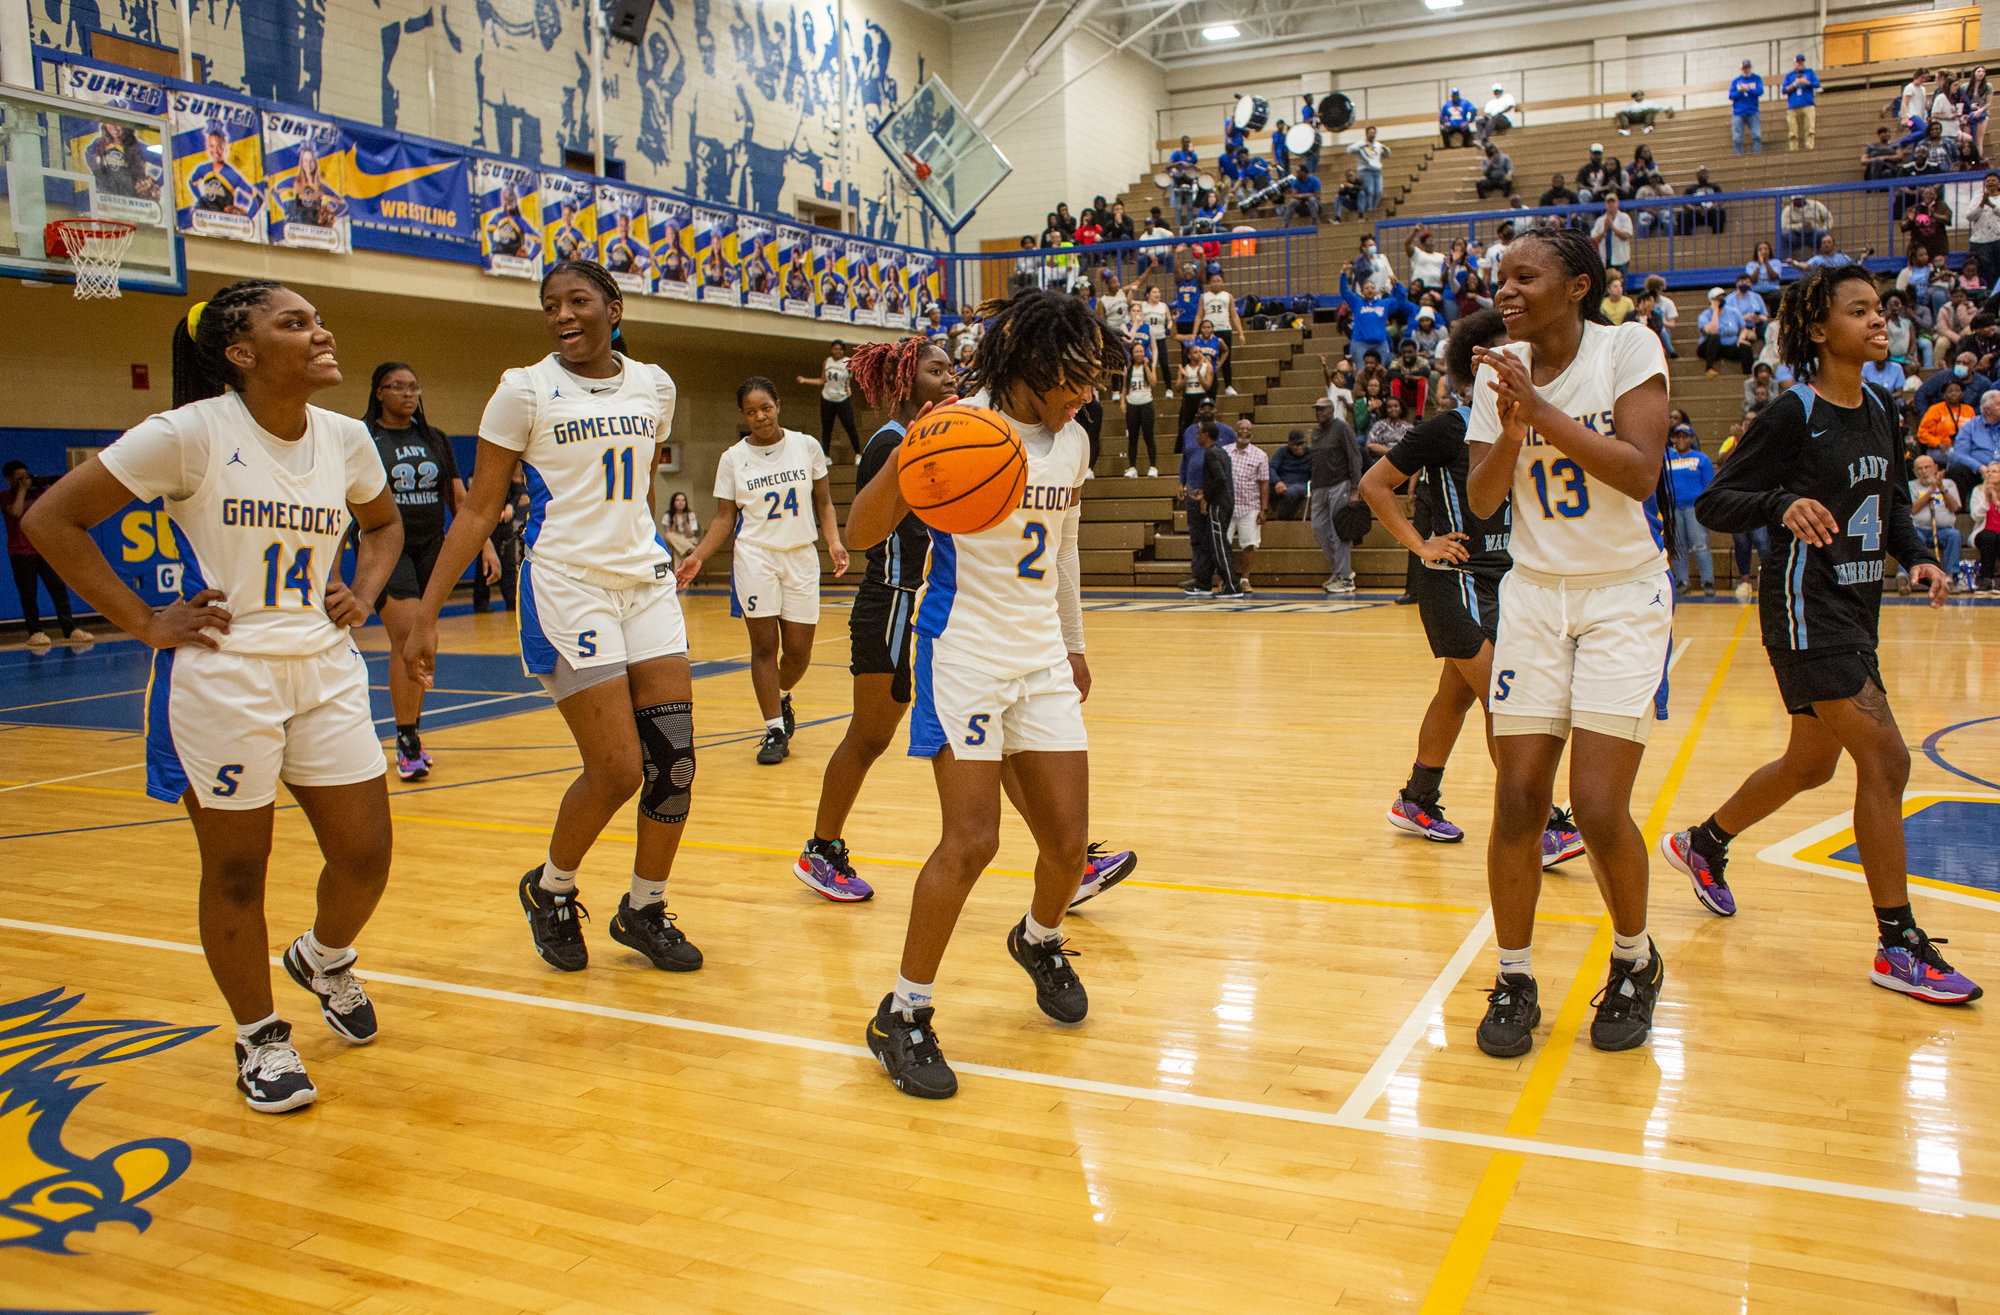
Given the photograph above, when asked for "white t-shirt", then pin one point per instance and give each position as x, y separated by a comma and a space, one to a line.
1944, 110
836, 374
989, 599
1371, 153
1916, 103
587, 448
1489, 264
253, 515
1216, 306
1613, 238
1565, 522
772, 488
1427, 267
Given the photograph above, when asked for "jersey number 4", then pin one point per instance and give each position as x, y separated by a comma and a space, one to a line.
1866, 523
298, 578
777, 506
1572, 499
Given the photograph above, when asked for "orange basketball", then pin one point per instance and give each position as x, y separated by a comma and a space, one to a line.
962, 469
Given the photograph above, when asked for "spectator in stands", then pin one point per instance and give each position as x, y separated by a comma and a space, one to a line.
1640, 114
1964, 372
1976, 97
1410, 376
1197, 396
1339, 384
1291, 476
30, 567
1934, 508
1984, 220
1371, 153
1767, 276
1596, 177
1558, 193
1945, 111
1281, 154
1658, 216
1118, 228
1489, 261
1881, 158
1250, 472
1229, 175
1723, 335
1455, 119
1428, 334
1976, 446
1746, 118
1612, 232
1749, 307
1952, 322
1141, 380
1372, 311
1638, 171
1499, 114
1336, 483
1064, 219
1985, 510
1183, 166
1347, 197
1887, 375
1423, 260
1944, 418
1496, 174
1806, 222
1690, 471
1670, 313
1928, 223
1916, 108
1982, 339
1703, 215
1617, 306
1386, 429
1208, 488
1370, 265
1370, 395
1760, 375
1309, 116
1305, 193
1088, 232
1801, 88
1924, 162
1907, 347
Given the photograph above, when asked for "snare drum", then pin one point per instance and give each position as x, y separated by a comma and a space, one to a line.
1301, 139
1252, 113
1204, 182
1163, 181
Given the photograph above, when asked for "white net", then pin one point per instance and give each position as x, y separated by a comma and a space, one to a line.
95, 248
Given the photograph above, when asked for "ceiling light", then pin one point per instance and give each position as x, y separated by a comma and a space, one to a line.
1229, 31
1443, 4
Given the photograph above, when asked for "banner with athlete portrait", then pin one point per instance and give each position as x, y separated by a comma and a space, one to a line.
621, 238
926, 286
509, 201
305, 195
892, 276
670, 224
829, 278
795, 283
127, 165
218, 168
718, 277
569, 219
757, 245
862, 292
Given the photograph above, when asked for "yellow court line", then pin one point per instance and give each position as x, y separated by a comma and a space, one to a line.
1467, 1252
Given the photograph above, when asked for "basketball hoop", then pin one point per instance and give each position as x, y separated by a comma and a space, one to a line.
94, 248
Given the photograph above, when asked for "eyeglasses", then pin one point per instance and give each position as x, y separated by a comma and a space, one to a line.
401, 388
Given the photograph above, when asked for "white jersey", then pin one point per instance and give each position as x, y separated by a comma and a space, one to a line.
838, 376
587, 448
989, 599
1154, 313
772, 488
1113, 309
1215, 307
1565, 522
253, 515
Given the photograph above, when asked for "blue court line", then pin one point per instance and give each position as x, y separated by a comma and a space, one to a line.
1931, 751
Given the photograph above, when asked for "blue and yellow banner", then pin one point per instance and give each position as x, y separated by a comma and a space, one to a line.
892, 275
863, 294
508, 199
926, 286
305, 193
715, 257
829, 276
218, 168
569, 219
621, 238
757, 244
670, 226
795, 281
408, 187
127, 165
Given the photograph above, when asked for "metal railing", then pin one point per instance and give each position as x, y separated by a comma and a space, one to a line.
1708, 239
1270, 264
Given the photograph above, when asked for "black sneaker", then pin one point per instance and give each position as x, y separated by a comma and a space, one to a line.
269, 1072
651, 932
785, 711
342, 1001
1513, 1012
1625, 1004
908, 1051
1057, 989
775, 748
553, 920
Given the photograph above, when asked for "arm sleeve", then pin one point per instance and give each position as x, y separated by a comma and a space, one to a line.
509, 419
1904, 543
163, 456
1069, 580
1748, 493
365, 476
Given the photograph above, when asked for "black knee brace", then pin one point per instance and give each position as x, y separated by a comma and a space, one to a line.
666, 752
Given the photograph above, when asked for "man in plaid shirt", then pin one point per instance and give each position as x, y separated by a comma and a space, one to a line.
1250, 470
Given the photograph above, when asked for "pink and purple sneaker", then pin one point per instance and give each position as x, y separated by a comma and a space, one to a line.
1102, 871
413, 768
1709, 887
824, 866
1423, 820
1561, 841
1917, 969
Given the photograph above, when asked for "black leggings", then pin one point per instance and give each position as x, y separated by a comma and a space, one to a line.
1713, 350
1190, 403
842, 411
1988, 543
1138, 425
29, 567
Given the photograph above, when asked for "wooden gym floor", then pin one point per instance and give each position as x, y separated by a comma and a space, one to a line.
1276, 1104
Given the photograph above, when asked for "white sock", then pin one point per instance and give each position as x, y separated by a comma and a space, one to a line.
912, 996
556, 880
1631, 948
784, 694
1037, 934
1521, 961
244, 1031
323, 957
775, 724
645, 894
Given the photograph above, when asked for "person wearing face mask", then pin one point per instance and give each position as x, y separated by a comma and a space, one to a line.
1963, 372
1748, 306
1370, 265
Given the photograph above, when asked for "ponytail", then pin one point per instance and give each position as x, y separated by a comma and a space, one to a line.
202, 338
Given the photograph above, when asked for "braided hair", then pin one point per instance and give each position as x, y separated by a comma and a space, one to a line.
1042, 340
600, 278
1482, 328
886, 372
204, 334
1806, 303
1577, 254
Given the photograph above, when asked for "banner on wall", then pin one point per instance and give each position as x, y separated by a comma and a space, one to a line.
862, 291
509, 201
893, 278
127, 165
670, 224
569, 219
218, 168
829, 276
621, 227
408, 187
716, 258
795, 281
926, 286
305, 194
757, 245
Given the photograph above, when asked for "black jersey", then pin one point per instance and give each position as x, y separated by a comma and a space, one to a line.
1436, 453
897, 561
419, 461
1803, 446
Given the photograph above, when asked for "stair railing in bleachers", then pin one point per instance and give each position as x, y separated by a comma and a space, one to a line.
1269, 264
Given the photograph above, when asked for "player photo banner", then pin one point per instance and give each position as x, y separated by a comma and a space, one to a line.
218, 168
407, 187
926, 286
509, 201
715, 257
892, 278
621, 228
757, 245
304, 183
862, 290
670, 224
829, 277
127, 165
569, 220
795, 280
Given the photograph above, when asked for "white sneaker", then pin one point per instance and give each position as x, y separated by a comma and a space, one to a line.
1088, 473
79, 636
1341, 586
39, 640
1229, 392
1743, 590
1131, 472
1152, 472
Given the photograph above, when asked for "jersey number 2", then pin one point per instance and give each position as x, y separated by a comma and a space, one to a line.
1866, 523
1037, 533
1571, 507
299, 578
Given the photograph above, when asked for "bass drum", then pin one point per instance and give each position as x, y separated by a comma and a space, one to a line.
1336, 112
1252, 113
1163, 181
1301, 139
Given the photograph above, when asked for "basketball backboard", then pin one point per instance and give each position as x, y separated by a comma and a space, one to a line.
65, 160
942, 153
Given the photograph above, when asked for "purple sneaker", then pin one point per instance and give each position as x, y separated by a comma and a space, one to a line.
413, 769
1429, 823
1561, 841
824, 867
1103, 871
1709, 887
1917, 969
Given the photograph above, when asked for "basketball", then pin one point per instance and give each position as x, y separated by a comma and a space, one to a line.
962, 469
